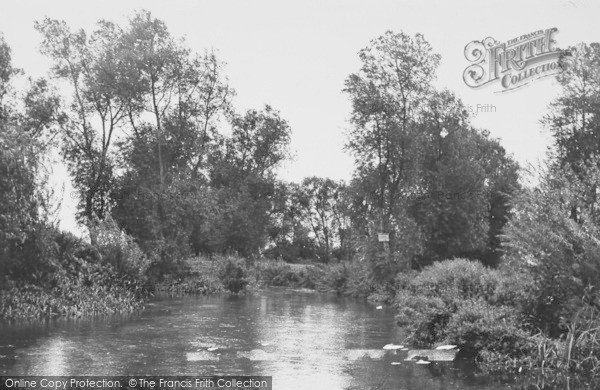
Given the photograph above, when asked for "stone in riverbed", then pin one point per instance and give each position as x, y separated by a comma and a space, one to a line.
357, 354
391, 347
434, 355
445, 347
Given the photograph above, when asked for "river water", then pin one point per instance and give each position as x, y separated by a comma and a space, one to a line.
303, 340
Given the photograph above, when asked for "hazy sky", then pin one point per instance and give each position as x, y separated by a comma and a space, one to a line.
296, 55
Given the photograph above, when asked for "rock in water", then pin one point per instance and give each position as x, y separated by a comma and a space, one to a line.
388, 347
446, 347
434, 355
357, 354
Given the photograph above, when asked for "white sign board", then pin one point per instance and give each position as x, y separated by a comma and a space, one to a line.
384, 237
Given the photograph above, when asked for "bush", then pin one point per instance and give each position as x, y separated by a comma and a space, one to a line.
191, 284
120, 250
477, 326
336, 278
233, 273
281, 274
554, 238
464, 303
276, 273
80, 281
35, 258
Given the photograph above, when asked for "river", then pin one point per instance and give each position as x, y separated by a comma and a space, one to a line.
304, 340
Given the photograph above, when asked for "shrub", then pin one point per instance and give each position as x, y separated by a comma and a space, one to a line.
80, 282
477, 325
35, 259
553, 237
423, 317
233, 273
336, 278
278, 273
582, 341
120, 250
462, 302
192, 284
351, 278
359, 283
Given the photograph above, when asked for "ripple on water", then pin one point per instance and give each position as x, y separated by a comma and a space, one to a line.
201, 356
305, 341
356, 354
255, 355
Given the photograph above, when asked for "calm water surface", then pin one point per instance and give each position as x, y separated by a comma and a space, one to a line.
304, 340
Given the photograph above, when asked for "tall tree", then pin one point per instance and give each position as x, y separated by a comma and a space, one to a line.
24, 196
423, 173
320, 200
386, 95
242, 171
140, 90
90, 66
574, 117
466, 182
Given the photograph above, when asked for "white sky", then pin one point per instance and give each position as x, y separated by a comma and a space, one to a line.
295, 56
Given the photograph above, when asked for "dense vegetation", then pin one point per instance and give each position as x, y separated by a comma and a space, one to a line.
166, 168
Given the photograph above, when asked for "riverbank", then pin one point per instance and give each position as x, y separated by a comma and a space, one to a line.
63, 275
238, 275
88, 286
26, 301
82, 282
485, 312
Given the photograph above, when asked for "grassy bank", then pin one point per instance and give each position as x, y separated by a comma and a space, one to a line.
62, 275
234, 274
30, 301
113, 276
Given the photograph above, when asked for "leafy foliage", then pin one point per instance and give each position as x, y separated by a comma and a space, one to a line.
439, 187
461, 302
233, 273
561, 253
